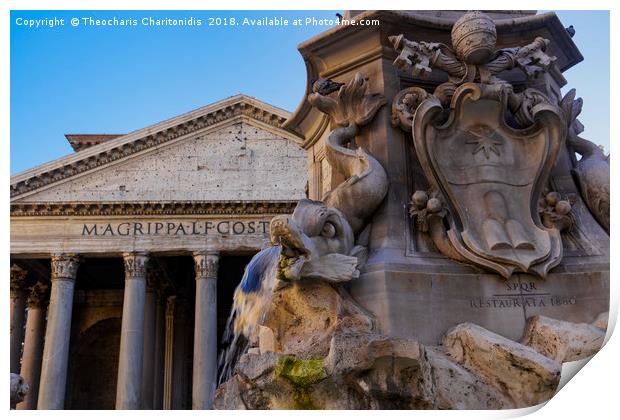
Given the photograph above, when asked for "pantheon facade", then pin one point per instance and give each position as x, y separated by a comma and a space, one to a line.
125, 255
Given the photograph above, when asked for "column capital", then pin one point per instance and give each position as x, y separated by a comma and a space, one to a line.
38, 295
153, 278
206, 263
65, 266
18, 275
135, 264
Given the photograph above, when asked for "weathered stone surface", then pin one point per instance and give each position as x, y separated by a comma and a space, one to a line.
228, 396
399, 377
256, 385
601, 321
388, 375
302, 318
347, 351
255, 366
457, 388
525, 376
562, 341
266, 340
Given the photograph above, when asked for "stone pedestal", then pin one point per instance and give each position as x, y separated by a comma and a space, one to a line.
57, 334
33, 345
428, 304
129, 383
18, 311
205, 331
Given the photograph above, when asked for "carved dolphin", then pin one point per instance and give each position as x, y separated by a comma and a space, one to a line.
592, 170
366, 182
315, 242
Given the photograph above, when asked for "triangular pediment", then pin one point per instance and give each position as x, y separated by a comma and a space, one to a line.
231, 150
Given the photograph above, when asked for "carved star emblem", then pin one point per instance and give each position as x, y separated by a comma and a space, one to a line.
485, 143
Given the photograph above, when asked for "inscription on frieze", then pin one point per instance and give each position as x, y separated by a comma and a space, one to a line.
177, 228
521, 294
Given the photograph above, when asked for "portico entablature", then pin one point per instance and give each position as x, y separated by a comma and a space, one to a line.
227, 227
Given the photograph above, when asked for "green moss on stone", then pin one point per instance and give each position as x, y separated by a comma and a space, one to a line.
302, 374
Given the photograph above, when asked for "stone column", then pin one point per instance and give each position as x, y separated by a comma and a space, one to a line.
158, 370
168, 356
18, 313
57, 333
33, 344
129, 382
205, 331
148, 360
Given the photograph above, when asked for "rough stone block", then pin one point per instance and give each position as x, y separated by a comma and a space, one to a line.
562, 341
228, 396
254, 366
266, 339
528, 378
457, 388
601, 321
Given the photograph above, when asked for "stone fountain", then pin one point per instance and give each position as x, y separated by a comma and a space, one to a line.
454, 249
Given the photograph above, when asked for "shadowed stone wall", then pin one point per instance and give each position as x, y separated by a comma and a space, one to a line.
93, 367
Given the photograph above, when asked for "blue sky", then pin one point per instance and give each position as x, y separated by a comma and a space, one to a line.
117, 80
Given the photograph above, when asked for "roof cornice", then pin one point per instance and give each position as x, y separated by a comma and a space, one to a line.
155, 135
148, 208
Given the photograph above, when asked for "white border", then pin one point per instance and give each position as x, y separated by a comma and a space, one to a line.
593, 394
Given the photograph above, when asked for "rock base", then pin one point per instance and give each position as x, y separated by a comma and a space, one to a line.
473, 369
